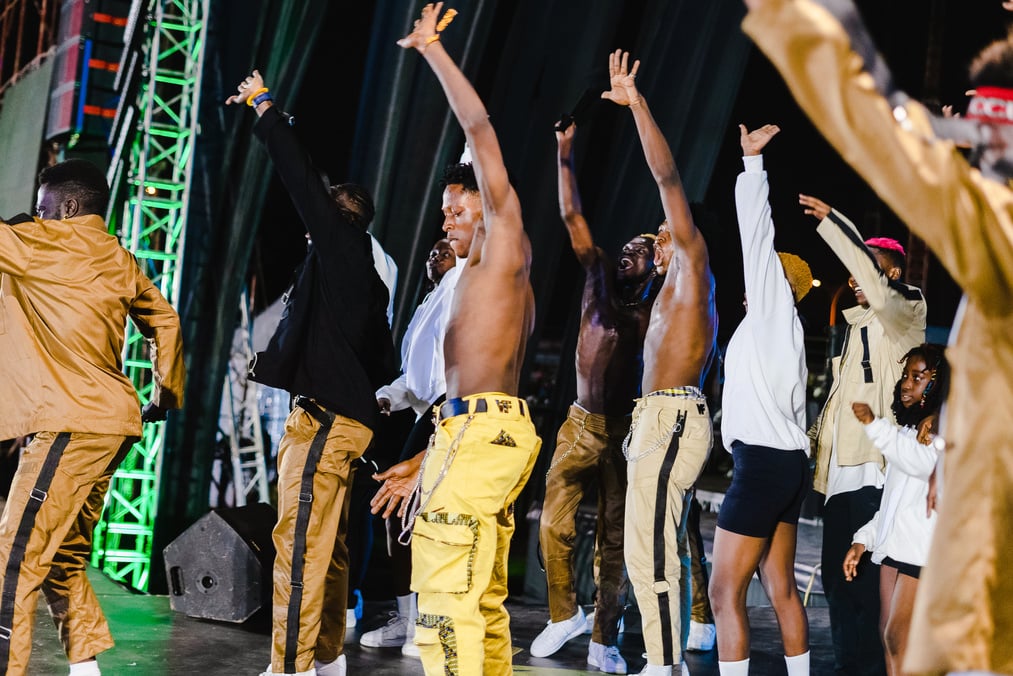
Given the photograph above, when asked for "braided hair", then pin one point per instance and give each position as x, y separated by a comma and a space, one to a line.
935, 392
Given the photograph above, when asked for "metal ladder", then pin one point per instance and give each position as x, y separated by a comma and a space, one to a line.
241, 418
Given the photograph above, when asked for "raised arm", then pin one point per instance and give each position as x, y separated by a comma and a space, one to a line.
889, 299
921, 177
490, 172
569, 199
659, 156
767, 291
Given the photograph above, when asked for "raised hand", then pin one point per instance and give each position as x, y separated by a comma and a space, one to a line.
424, 29
863, 412
622, 80
753, 142
928, 428
247, 88
813, 206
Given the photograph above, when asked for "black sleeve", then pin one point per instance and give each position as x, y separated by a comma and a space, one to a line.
306, 186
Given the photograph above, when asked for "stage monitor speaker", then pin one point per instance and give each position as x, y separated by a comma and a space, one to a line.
220, 567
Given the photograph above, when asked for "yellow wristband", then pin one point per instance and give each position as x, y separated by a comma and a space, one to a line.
262, 90
432, 38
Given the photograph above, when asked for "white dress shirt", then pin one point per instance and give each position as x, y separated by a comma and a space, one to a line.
423, 373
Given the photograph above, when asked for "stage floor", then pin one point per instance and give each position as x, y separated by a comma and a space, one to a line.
153, 640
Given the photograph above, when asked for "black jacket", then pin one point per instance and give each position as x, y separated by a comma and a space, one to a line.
333, 342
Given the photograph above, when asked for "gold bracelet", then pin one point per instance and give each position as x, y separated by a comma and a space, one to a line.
432, 38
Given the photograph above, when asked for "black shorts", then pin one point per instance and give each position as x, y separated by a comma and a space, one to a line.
768, 487
908, 569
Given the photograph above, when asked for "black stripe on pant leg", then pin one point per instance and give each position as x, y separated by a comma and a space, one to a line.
302, 521
17, 554
121, 453
660, 512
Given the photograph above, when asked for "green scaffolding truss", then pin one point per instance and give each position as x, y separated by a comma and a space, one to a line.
151, 172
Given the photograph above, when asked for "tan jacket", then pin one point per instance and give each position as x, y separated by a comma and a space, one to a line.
963, 615
66, 290
870, 364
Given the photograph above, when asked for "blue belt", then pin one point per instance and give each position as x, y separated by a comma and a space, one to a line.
459, 406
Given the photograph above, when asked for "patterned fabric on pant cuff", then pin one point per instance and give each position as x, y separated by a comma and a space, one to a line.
588, 450
473, 473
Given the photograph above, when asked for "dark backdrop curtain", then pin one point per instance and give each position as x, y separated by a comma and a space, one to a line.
530, 62
231, 178
375, 114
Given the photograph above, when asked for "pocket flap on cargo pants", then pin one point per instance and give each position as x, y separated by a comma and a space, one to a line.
443, 552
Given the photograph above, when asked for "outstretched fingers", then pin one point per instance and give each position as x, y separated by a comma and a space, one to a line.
622, 87
813, 206
246, 88
423, 29
753, 142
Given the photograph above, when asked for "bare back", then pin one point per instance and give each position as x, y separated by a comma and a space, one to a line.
609, 343
493, 310
683, 325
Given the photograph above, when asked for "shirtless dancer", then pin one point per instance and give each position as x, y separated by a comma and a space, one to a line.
671, 434
615, 311
485, 443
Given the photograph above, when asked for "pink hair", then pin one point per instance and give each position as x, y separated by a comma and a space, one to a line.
886, 243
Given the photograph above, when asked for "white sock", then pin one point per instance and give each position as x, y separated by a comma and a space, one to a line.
798, 665
740, 668
404, 605
88, 668
408, 608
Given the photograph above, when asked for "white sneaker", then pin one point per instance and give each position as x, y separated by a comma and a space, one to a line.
656, 670
311, 672
556, 634
408, 648
605, 658
390, 635
701, 636
338, 667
